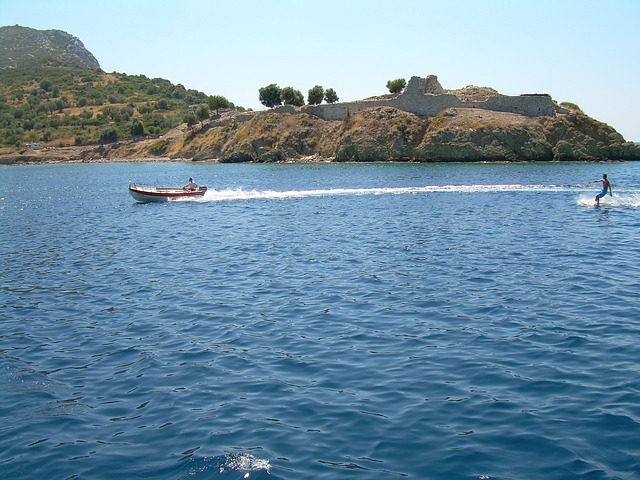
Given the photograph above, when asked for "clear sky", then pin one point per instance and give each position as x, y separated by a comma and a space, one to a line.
583, 51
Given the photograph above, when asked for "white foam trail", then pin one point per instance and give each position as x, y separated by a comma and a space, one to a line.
617, 200
624, 198
240, 194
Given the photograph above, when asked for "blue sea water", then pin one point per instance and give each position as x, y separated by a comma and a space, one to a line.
320, 321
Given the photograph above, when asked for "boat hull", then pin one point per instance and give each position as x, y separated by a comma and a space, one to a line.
146, 194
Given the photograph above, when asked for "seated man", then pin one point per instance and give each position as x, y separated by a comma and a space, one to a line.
191, 185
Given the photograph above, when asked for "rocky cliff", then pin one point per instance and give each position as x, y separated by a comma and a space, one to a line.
377, 134
390, 134
478, 128
22, 46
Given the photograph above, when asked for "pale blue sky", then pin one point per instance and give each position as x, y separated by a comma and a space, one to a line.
583, 51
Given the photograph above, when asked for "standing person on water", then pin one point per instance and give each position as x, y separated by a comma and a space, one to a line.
606, 185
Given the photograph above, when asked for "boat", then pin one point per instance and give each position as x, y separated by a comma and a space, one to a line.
144, 193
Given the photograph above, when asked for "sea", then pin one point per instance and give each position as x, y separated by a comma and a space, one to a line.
320, 321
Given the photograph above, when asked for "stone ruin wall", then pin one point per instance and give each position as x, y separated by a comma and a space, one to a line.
426, 97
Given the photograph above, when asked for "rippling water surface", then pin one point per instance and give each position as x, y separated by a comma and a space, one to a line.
320, 321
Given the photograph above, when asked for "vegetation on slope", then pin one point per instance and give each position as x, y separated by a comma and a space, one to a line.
53, 94
62, 106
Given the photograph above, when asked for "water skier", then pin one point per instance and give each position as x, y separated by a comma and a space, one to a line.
606, 186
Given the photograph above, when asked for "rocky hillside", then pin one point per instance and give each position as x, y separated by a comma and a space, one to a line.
378, 134
389, 134
22, 46
69, 110
53, 94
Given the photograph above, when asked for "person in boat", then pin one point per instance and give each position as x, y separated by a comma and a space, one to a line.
191, 185
606, 186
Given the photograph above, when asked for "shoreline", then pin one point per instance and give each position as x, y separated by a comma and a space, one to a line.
36, 162
115, 153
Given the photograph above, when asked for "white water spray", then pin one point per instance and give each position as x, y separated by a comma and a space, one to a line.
624, 199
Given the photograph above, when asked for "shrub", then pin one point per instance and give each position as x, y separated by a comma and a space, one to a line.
160, 147
397, 85
108, 135
571, 106
270, 96
292, 97
216, 102
136, 128
330, 96
316, 94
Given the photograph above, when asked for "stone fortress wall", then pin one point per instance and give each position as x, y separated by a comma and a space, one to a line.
426, 97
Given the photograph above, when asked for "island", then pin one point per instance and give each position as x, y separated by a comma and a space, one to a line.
61, 107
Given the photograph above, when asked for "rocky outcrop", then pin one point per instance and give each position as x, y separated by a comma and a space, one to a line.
22, 46
374, 135
390, 134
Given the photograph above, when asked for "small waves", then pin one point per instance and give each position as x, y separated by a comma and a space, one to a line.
485, 327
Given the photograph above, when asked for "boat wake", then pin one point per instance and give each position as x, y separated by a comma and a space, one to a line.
241, 194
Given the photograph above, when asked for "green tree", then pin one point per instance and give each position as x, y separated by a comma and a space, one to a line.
190, 119
46, 85
108, 135
316, 94
330, 96
292, 97
216, 102
60, 104
202, 113
397, 85
137, 128
270, 96
28, 124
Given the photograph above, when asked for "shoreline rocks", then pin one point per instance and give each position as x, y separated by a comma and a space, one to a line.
383, 134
